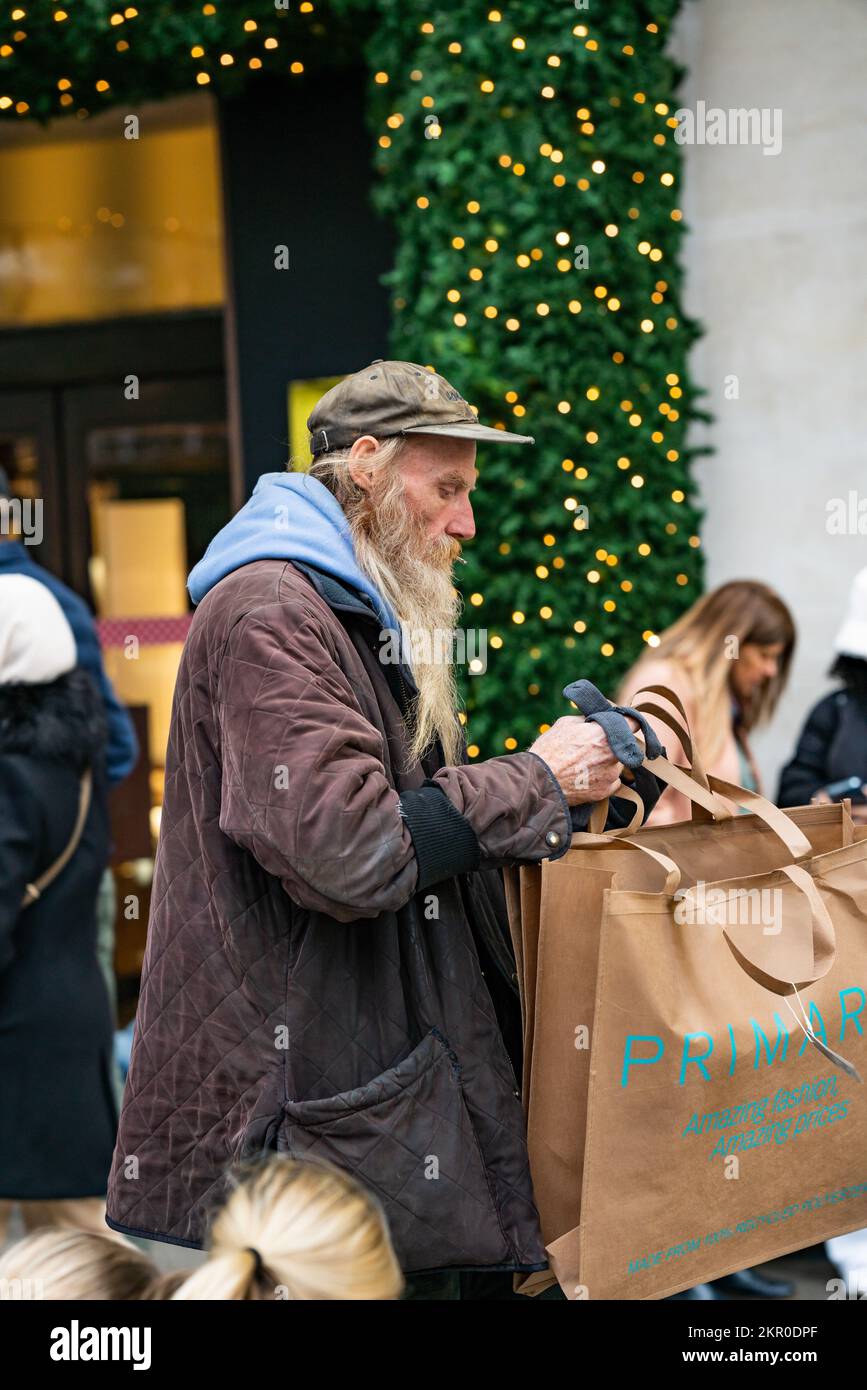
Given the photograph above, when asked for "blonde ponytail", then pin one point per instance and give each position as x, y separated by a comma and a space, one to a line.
296, 1230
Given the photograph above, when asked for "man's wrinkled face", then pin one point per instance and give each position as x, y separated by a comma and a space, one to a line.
432, 514
438, 475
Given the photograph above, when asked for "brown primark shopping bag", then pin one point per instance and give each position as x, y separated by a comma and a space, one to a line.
695, 999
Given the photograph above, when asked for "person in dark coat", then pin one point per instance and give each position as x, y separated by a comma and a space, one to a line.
328, 966
58, 1115
832, 746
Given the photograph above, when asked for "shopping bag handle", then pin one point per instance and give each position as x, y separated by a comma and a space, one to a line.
799, 954
699, 813
586, 839
631, 748
783, 826
682, 730
599, 814
795, 841
699, 786
641, 747
697, 771
677, 777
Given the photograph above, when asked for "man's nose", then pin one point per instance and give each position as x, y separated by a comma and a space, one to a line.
462, 524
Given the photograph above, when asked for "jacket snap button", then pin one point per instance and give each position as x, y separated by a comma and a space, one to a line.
552, 838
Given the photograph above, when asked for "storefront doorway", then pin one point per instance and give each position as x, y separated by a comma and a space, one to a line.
120, 495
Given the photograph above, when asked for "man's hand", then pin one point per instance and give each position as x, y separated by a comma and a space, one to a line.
580, 758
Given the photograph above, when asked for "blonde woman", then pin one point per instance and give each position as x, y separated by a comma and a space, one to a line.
290, 1230
728, 659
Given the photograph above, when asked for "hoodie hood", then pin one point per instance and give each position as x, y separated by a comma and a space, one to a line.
290, 516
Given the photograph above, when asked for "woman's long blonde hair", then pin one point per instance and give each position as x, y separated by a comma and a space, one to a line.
65, 1263
700, 644
296, 1229
290, 1229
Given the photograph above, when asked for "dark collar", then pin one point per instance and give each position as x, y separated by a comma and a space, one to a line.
337, 595
344, 598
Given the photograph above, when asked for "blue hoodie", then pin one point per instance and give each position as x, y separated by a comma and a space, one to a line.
290, 516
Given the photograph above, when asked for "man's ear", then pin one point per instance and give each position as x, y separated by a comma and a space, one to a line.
359, 457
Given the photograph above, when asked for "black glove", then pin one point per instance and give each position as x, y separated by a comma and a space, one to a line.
622, 741
625, 747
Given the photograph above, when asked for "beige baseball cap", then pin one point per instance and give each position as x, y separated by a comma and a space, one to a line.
389, 398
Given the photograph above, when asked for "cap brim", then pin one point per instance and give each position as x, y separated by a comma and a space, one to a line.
465, 429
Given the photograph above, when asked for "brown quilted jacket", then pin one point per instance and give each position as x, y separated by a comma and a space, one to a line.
312, 980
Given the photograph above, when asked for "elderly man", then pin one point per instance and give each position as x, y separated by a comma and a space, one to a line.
328, 968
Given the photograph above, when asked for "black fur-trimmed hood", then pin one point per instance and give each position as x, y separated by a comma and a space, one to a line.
63, 719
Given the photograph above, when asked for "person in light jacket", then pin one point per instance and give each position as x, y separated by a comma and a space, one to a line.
728, 659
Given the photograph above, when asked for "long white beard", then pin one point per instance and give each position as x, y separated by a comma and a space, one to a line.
414, 575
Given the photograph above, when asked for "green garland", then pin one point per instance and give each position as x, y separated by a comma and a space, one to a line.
524, 377
99, 54
507, 140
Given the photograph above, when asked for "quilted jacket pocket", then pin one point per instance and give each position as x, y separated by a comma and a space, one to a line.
409, 1137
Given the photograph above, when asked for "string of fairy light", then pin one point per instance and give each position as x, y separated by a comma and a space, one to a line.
478, 255
478, 251
206, 56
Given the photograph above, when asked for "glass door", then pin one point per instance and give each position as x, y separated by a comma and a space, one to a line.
28, 460
148, 486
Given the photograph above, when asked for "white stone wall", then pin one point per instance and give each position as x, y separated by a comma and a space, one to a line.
776, 264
